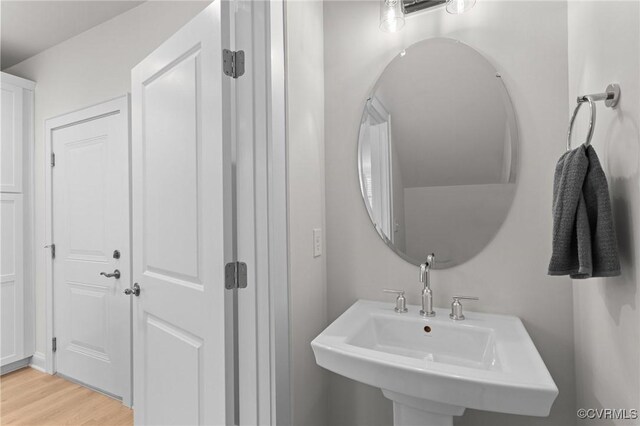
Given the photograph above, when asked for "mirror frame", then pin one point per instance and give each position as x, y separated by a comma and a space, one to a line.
515, 152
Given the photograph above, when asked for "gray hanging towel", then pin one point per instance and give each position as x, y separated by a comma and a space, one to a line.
604, 245
584, 242
571, 240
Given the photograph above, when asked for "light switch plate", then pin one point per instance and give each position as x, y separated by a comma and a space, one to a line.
317, 242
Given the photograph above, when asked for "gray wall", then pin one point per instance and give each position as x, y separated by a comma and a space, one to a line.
92, 67
527, 43
604, 47
305, 146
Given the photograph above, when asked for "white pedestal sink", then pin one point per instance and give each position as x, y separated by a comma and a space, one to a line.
434, 368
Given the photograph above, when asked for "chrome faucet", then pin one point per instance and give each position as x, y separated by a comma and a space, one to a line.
427, 294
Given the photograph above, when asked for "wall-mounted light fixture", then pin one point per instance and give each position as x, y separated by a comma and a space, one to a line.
411, 6
459, 6
392, 12
391, 15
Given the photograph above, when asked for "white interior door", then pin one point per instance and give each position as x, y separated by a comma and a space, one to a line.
11, 279
182, 228
91, 220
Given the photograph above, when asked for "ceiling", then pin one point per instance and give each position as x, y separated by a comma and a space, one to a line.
29, 27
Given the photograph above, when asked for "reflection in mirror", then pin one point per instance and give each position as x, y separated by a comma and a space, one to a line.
437, 153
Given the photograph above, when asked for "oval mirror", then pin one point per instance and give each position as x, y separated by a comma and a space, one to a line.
437, 153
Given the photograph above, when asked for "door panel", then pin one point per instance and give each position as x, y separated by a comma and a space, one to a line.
85, 182
11, 279
9, 305
92, 316
171, 172
11, 139
185, 392
88, 310
182, 228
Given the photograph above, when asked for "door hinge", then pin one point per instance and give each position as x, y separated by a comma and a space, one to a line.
53, 250
233, 63
54, 344
53, 159
235, 275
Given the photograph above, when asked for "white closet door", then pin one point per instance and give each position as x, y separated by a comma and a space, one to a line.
11, 279
183, 368
91, 315
11, 139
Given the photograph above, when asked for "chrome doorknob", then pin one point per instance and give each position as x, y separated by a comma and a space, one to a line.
135, 290
115, 274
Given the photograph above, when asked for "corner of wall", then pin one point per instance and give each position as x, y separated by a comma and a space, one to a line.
306, 196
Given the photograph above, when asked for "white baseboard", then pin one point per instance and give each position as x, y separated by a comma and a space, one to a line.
38, 362
16, 365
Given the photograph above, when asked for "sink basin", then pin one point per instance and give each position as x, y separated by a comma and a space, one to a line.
434, 368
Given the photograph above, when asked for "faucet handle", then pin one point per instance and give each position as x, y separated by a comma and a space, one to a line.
456, 307
465, 298
426, 267
401, 302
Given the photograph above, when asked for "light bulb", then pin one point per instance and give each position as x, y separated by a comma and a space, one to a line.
459, 6
391, 15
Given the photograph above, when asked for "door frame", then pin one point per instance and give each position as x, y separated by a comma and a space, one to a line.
263, 347
121, 105
278, 256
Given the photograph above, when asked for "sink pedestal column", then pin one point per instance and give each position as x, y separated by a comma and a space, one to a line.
404, 415
410, 411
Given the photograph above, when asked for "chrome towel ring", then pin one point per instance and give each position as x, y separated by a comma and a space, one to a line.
610, 98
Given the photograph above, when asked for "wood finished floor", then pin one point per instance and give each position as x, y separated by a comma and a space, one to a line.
29, 397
